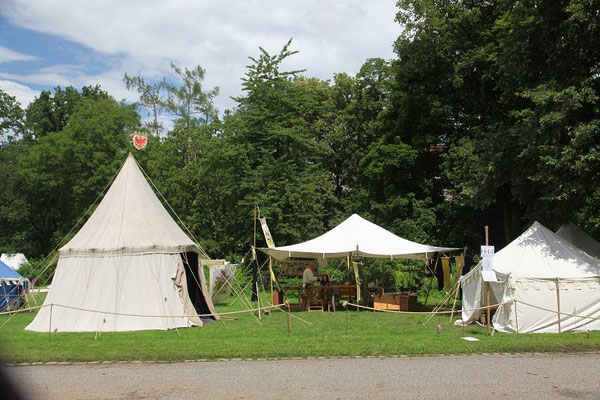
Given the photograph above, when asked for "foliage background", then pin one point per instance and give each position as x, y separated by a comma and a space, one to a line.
488, 115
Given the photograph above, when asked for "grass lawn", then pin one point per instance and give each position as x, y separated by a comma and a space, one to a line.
368, 334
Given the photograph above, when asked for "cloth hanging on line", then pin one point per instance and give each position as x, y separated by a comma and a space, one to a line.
446, 271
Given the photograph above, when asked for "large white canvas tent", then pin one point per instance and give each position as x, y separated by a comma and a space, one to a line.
536, 272
130, 267
576, 236
357, 237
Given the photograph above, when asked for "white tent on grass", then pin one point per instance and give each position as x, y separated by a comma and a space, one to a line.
576, 236
537, 272
357, 237
129, 268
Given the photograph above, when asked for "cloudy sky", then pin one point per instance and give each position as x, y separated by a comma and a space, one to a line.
45, 43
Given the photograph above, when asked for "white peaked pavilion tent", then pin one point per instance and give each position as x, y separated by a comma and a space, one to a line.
129, 261
576, 236
536, 272
357, 237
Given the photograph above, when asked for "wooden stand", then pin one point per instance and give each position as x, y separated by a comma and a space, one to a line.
395, 301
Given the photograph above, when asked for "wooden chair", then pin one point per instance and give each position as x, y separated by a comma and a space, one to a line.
314, 298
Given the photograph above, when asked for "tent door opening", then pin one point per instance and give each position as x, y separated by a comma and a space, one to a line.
190, 263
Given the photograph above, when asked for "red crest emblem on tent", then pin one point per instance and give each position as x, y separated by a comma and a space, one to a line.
140, 141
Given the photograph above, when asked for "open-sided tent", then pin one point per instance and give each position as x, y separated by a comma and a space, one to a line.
357, 237
539, 270
13, 287
130, 267
576, 236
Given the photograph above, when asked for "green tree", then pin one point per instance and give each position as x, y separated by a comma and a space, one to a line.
11, 117
62, 174
189, 99
50, 112
509, 89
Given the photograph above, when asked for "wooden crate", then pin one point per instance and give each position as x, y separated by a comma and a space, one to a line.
395, 301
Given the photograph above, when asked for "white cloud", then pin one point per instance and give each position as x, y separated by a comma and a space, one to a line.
7, 55
141, 37
23, 94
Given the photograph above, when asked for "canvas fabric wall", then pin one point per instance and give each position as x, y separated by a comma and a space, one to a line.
129, 284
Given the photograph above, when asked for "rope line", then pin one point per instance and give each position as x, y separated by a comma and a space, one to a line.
560, 313
202, 252
279, 307
71, 230
428, 312
158, 316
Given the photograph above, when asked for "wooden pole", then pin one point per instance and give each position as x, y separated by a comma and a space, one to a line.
289, 317
457, 282
254, 237
433, 276
487, 235
346, 305
454, 303
558, 304
488, 307
255, 265
271, 279
258, 301
487, 284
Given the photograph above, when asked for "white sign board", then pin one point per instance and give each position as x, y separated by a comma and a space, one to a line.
487, 251
489, 276
267, 233
487, 254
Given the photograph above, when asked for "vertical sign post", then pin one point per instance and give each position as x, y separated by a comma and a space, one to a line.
487, 273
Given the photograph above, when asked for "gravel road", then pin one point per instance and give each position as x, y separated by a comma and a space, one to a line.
545, 377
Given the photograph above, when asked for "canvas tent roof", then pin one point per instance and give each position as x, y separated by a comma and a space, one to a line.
357, 237
576, 236
538, 272
540, 253
130, 219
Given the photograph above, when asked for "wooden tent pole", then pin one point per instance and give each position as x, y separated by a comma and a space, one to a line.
454, 303
431, 281
457, 281
558, 304
487, 285
271, 279
255, 265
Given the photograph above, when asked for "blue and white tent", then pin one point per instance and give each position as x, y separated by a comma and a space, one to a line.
12, 288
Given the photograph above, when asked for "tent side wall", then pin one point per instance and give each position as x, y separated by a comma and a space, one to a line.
471, 295
129, 284
537, 306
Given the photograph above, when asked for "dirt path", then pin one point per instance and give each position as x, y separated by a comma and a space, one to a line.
448, 377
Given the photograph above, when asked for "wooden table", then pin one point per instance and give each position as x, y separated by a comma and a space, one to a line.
320, 295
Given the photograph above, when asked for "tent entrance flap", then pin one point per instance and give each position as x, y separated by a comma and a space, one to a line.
190, 263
